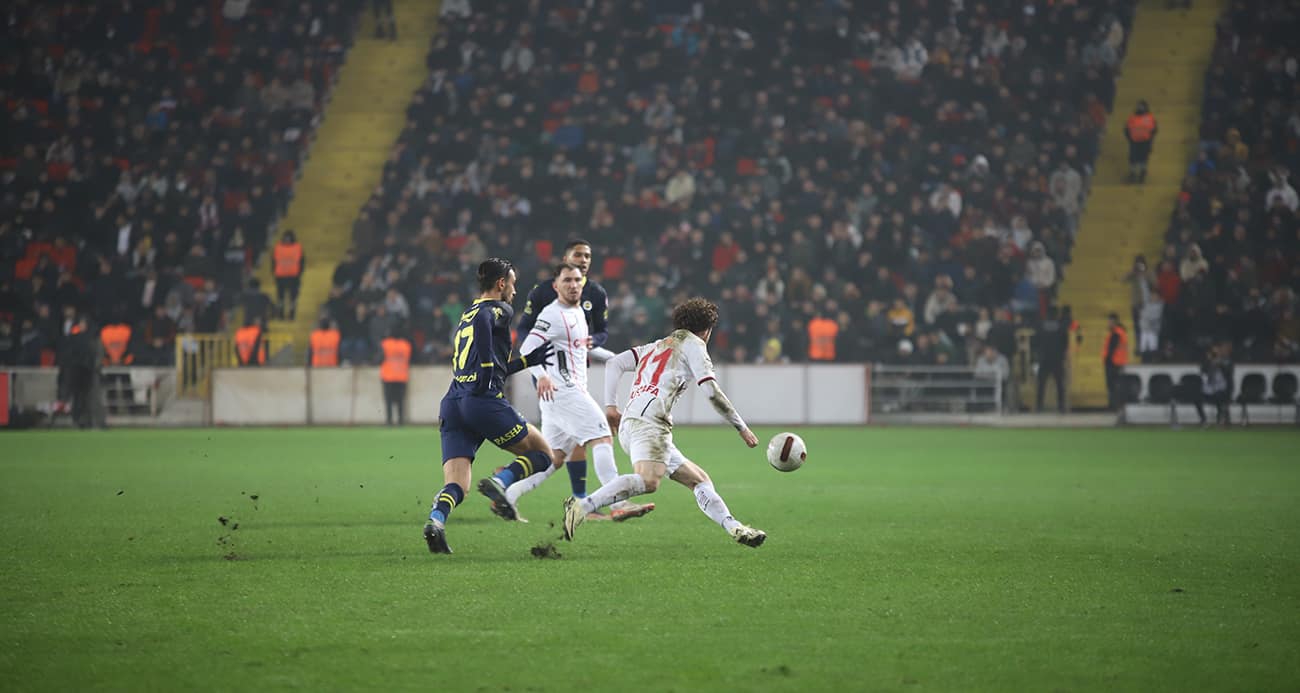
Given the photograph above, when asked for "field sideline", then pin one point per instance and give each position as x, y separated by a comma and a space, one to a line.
898, 559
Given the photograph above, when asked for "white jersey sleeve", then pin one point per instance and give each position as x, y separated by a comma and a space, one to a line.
695, 354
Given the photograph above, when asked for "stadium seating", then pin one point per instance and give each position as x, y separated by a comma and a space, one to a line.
1262, 393
147, 149
786, 160
1237, 207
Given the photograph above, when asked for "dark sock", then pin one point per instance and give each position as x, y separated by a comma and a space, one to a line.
577, 477
448, 498
524, 466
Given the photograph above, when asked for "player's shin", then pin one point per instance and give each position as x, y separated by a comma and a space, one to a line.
620, 489
577, 477
447, 499
519, 488
602, 456
524, 466
713, 506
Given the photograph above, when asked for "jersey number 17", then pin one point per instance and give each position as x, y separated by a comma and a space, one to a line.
661, 361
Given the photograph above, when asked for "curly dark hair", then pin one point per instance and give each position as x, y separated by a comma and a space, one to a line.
695, 315
491, 270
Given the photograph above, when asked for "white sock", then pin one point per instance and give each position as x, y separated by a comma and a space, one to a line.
602, 458
527, 484
713, 506
621, 488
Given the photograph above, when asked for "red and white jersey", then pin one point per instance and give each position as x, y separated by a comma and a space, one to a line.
566, 328
664, 369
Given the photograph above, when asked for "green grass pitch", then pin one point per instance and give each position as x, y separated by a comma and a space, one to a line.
897, 559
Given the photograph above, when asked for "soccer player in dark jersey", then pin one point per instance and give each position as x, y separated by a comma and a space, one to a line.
595, 305
475, 408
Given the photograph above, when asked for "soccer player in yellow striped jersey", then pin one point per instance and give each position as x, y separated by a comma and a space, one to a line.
475, 409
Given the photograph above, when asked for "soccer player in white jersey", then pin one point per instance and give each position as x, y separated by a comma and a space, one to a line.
571, 419
664, 369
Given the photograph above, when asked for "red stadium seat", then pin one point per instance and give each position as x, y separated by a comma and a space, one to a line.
613, 268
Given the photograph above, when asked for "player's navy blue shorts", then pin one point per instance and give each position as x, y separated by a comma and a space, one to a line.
465, 422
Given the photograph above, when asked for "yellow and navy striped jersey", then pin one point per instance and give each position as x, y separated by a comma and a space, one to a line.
480, 349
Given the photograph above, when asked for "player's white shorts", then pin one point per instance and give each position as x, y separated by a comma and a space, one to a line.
572, 419
644, 441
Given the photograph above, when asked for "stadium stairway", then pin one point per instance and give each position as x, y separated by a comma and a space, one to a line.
363, 119
1168, 53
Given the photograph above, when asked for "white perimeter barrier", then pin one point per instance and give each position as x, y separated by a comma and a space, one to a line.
794, 394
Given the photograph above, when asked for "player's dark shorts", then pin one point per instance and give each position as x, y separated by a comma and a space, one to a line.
468, 421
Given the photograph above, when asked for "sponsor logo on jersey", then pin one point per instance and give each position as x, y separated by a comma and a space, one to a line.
542, 325
468, 378
508, 435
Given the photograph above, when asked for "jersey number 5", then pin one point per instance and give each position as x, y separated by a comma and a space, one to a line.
464, 338
660, 360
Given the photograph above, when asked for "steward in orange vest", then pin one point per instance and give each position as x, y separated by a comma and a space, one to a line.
1114, 355
117, 344
1140, 130
324, 346
822, 332
288, 263
395, 373
250, 350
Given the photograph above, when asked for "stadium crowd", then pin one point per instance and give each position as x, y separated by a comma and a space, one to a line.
145, 150
1230, 270
893, 181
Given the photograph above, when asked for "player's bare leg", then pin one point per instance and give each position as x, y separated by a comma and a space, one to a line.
532, 456
455, 477
645, 480
602, 455
694, 478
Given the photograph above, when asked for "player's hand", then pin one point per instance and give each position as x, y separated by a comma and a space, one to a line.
545, 389
748, 436
541, 356
613, 417
588, 342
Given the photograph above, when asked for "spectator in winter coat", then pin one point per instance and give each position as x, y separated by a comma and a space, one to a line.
1281, 194
1040, 270
1193, 263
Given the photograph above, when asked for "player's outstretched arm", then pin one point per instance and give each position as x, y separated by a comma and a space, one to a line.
615, 367
726, 410
540, 356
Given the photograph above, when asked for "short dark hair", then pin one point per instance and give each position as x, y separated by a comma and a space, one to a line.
575, 243
695, 315
559, 269
491, 270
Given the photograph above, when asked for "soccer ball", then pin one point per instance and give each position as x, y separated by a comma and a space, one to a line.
786, 452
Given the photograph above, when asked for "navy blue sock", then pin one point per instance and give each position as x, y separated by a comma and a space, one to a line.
524, 466
577, 477
448, 498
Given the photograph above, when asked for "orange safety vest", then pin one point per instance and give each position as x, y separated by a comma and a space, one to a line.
1141, 128
1120, 357
396, 367
288, 260
246, 340
324, 348
116, 339
821, 339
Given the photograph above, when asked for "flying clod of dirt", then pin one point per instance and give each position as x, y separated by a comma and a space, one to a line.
545, 549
